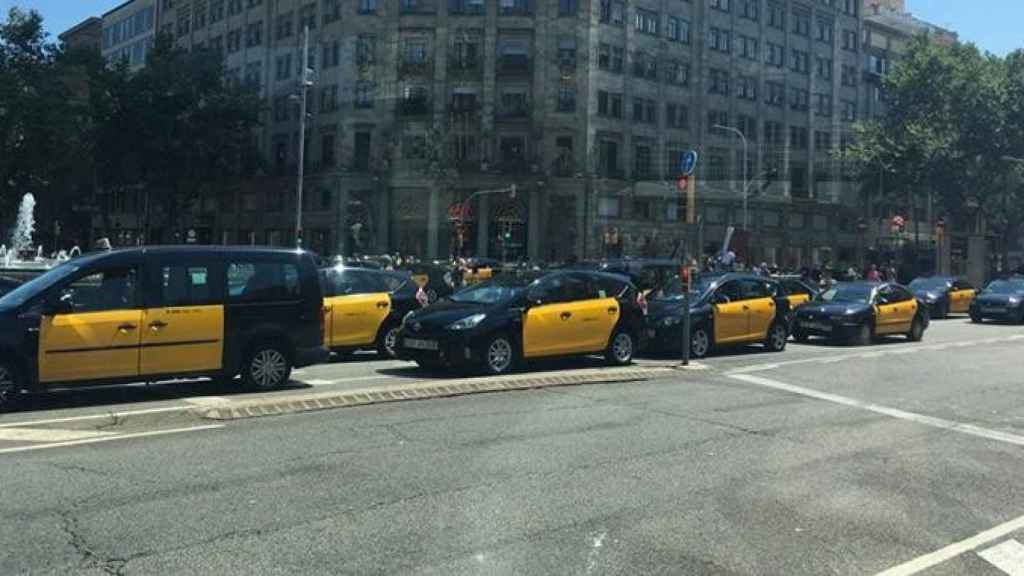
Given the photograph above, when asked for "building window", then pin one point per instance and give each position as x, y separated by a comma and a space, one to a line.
234, 41
253, 75
618, 59
722, 5
283, 68
332, 11
677, 116
678, 73
367, 6
749, 47
613, 12
776, 16
366, 50
823, 105
567, 98
775, 93
719, 40
254, 34
604, 56
747, 125
798, 138
642, 161
773, 133
801, 24
776, 55
327, 158
646, 22
848, 76
216, 10
566, 7
849, 110
514, 7
823, 31
332, 54
284, 25
466, 54
822, 140
328, 99
364, 95
850, 40
747, 88
608, 207
717, 118
567, 53
801, 62
799, 99
234, 7
824, 68
749, 9
718, 81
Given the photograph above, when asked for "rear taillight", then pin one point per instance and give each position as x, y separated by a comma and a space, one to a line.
641, 301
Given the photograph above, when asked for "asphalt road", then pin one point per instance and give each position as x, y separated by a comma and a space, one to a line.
820, 460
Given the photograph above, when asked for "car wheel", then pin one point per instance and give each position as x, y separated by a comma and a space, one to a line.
700, 342
916, 330
620, 349
777, 337
864, 335
499, 355
10, 385
267, 367
387, 340
800, 336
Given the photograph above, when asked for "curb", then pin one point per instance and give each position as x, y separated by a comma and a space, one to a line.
419, 391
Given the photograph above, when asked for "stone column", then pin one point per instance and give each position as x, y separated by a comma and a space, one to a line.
433, 207
977, 259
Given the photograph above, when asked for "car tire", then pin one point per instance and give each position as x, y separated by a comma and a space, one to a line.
777, 337
11, 385
800, 336
387, 340
700, 342
864, 336
499, 355
267, 366
916, 330
621, 348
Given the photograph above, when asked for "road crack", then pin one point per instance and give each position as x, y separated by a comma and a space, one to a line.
89, 558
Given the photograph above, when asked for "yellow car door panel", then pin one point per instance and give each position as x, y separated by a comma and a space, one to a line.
548, 330
960, 300
178, 340
592, 322
732, 322
89, 346
797, 299
356, 318
887, 318
762, 313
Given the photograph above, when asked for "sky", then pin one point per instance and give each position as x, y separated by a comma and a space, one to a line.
993, 25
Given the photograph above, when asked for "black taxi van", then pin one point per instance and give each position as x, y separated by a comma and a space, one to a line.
725, 309
156, 313
525, 315
365, 308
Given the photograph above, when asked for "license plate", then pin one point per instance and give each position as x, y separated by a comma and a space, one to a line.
820, 326
993, 310
420, 344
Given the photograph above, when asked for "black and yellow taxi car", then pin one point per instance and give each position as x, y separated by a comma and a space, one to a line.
796, 290
524, 315
857, 312
1002, 299
150, 314
944, 295
725, 309
365, 308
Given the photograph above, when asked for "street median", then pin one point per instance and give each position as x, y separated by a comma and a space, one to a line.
296, 403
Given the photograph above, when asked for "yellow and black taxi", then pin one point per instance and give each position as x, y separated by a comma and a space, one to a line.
944, 295
857, 312
364, 308
1002, 299
725, 309
520, 316
151, 314
796, 290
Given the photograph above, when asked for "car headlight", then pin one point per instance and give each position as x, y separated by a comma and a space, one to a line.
671, 321
467, 322
405, 319
1013, 300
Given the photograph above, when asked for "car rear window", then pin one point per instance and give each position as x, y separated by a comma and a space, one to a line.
262, 281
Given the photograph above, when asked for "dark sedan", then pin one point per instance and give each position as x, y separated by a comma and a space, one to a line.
1000, 300
857, 312
943, 294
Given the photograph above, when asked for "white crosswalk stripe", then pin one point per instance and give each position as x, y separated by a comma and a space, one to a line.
49, 435
1008, 557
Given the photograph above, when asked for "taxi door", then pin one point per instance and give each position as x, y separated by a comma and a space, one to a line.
98, 337
760, 303
906, 309
183, 323
598, 315
961, 297
358, 306
552, 325
731, 313
796, 294
889, 312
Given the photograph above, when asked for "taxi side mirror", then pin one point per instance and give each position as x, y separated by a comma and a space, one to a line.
57, 304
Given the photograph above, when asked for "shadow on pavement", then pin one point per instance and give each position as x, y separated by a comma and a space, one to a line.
93, 396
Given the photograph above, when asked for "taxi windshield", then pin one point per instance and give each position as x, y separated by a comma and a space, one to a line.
929, 284
22, 293
673, 289
1001, 287
494, 291
850, 293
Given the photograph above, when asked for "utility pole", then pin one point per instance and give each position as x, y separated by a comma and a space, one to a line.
305, 82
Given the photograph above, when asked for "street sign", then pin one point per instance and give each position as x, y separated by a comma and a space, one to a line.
688, 163
684, 183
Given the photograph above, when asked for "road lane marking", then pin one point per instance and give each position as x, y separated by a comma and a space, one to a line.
105, 415
149, 434
941, 423
922, 563
1008, 557
49, 435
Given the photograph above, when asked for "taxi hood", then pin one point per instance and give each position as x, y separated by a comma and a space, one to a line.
818, 308
444, 312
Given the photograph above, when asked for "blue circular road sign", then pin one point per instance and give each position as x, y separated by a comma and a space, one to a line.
689, 163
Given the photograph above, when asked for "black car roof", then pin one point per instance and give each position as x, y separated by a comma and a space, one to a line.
121, 254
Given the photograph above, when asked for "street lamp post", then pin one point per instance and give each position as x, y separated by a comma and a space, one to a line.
305, 82
746, 184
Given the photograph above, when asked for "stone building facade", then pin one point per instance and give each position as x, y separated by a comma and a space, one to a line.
585, 106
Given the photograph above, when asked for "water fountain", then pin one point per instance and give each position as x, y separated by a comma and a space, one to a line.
22, 255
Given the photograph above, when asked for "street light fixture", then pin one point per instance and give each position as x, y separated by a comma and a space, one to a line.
746, 184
